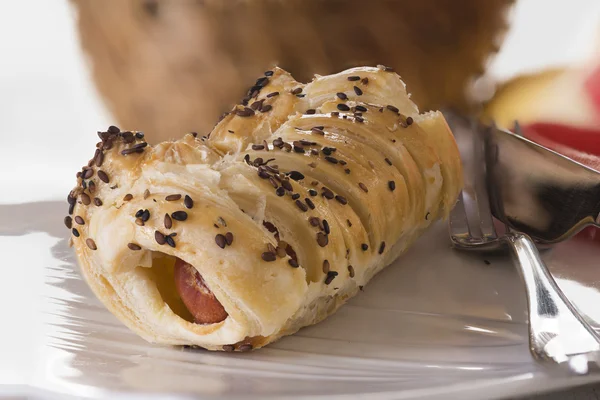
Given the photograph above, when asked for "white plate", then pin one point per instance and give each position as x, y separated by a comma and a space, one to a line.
436, 324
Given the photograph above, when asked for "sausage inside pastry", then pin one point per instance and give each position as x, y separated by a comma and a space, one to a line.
295, 200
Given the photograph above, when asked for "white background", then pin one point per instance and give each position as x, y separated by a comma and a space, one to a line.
49, 110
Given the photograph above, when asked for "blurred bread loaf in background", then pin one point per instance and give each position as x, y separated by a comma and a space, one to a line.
170, 67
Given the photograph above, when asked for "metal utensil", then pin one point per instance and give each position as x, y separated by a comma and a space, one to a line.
557, 331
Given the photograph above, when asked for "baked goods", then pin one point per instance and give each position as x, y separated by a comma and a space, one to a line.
296, 199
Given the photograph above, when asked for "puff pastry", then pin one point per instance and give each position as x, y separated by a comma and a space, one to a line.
294, 201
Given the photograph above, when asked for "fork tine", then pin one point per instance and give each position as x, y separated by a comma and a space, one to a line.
486, 222
459, 225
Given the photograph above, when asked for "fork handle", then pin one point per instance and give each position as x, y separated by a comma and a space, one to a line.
549, 309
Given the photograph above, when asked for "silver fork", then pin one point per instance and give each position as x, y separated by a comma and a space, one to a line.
557, 331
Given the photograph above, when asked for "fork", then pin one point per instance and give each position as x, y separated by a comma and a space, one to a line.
556, 329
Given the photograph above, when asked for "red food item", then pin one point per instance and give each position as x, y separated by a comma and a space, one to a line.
592, 87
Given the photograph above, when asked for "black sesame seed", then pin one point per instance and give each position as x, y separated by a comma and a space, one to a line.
427, 216
168, 222
188, 202
312, 192
88, 173
343, 107
322, 239
354, 78
258, 147
358, 91
342, 162
128, 197
75, 232
381, 247
332, 160
160, 238
301, 206
330, 276
295, 175
131, 151
326, 266
133, 246
71, 208
269, 73
245, 112
364, 247
392, 108
299, 149
229, 238
327, 193
140, 135
359, 119
85, 199
365, 81
409, 120
92, 187
287, 186
266, 108
361, 108
351, 271
349, 223
221, 241
91, 244
311, 111
79, 220
314, 221
295, 196
342, 96
103, 176
341, 199
113, 129
387, 160
170, 241
268, 256
173, 197
68, 222
309, 203
280, 191
297, 91
363, 187
139, 213
326, 228
273, 94
293, 263
392, 185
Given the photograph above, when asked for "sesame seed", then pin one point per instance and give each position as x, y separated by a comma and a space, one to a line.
113, 129
427, 216
68, 222
359, 119
92, 187
327, 193
131, 150
409, 120
245, 348
295, 175
273, 94
322, 239
91, 244
88, 173
245, 112
168, 221
133, 246
85, 199
173, 197
170, 241
349, 223
297, 91
314, 221
341, 199
128, 197
273, 182
361, 108
317, 130
351, 271
332, 160
146, 194
295, 196
229, 348
392, 185
381, 247
364, 247
309, 203
342, 96
365, 81
79, 220
387, 160
269, 73
266, 108
342, 162
330, 276
188, 202
138, 221
140, 135
354, 78
326, 266
145, 216
392, 108
281, 253
301, 206
311, 111
293, 263
139, 213
160, 238
343, 107
71, 208
347, 170
103, 176
328, 150
98, 157
363, 187
299, 149
75, 232
258, 147
268, 256
287, 186
280, 191
326, 228
271, 248
229, 238
358, 91
221, 241
312, 192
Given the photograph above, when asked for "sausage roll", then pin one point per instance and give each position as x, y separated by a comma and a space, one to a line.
294, 201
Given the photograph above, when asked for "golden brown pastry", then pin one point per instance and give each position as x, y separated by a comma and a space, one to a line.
297, 198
